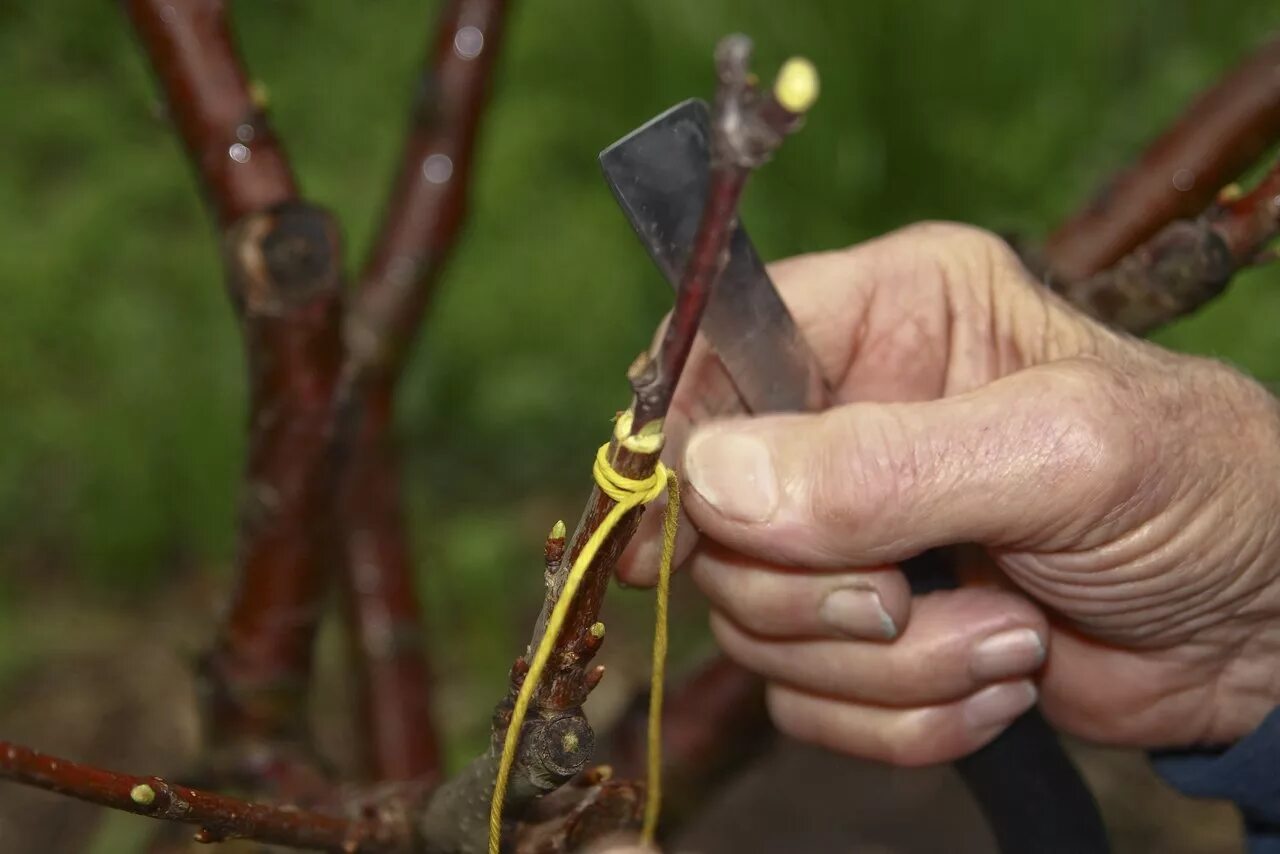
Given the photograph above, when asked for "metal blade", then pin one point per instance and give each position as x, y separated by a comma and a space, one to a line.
660, 174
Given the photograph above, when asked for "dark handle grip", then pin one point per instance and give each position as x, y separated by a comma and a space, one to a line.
1032, 795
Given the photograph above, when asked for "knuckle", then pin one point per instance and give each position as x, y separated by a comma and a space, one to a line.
969, 253
1091, 441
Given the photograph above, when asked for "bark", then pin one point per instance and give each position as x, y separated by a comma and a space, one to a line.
1187, 263
1224, 131
420, 228
217, 817
283, 262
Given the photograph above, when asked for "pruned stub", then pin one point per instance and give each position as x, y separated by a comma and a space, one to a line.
283, 258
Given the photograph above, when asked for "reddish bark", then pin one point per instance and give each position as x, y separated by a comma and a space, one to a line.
1185, 265
398, 734
1221, 134
588, 811
224, 128
429, 195
217, 817
284, 276
1247, 224
420, 228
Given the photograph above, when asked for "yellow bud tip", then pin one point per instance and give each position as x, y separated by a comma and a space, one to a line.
558, 531
797, 85
142, 795
569, 742
597, 630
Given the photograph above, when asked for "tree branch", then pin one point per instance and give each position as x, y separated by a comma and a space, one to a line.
556, 739
428, 202
284, 275
223, 125
218, 817
420, 228
1185, 265
1227, 128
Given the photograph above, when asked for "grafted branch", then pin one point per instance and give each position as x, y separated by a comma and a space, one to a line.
284, 275
1225, 130
556, 740
217, 817
420, 227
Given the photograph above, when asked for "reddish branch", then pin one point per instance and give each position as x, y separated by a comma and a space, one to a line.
428, 203
419, 230
284, 276
1186, 264
1221, 134
228, 139
556, 740
218, 817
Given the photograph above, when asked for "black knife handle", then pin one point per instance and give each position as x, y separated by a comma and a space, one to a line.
1032, 795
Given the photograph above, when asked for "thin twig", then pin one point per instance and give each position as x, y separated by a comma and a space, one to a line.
1216, 138
747, 127
218, 817
556, 740
419, 230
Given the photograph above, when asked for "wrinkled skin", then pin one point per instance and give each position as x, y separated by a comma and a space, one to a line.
1124, 500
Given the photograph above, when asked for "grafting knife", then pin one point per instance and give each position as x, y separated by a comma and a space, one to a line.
659, 174
1029, 790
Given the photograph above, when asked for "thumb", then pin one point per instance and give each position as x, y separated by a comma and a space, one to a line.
1037, 459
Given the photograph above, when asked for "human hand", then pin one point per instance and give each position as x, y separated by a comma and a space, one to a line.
1128, 496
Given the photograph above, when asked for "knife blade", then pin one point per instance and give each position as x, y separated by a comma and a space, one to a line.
660, 174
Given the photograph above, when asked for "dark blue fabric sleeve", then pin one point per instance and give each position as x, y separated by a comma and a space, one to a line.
1247, 773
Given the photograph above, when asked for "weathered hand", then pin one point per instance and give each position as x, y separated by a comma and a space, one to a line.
1129, 497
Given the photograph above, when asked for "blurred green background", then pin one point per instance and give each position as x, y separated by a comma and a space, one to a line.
121, 384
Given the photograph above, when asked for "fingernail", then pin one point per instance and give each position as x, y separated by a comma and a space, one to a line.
1016, 652
857, 612
733, 473
998, 704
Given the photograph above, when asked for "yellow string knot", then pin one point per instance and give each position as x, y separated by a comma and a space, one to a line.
627, 494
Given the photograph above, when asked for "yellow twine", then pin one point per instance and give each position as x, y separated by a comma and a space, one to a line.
627, 493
